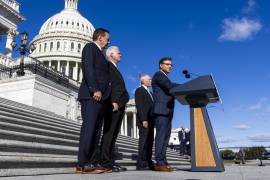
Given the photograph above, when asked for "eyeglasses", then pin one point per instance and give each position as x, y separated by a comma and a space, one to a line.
168, 64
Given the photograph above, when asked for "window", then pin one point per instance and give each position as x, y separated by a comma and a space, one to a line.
72, 46
79, 47
51, 46
39, 50
45, 47
58, 45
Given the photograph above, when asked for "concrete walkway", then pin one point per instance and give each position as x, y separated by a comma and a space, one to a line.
233, 172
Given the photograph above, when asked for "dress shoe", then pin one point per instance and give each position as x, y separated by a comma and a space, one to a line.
142, 168
105, 169
121, 168
162, 168
88, 170
79, 169
115, 168
171, 168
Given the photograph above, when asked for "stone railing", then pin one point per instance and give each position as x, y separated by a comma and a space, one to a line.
13, 4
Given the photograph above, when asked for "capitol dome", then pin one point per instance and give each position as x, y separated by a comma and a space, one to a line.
61, 40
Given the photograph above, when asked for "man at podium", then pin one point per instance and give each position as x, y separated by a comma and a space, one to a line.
163, 112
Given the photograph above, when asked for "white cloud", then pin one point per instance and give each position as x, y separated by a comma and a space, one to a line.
239, 29
222, 139
260, 138
241, 127
258, 105
250, 7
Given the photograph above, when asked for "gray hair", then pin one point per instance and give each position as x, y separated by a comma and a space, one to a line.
143, 76
110, 50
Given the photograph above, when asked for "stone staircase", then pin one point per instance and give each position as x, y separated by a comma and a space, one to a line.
35, 141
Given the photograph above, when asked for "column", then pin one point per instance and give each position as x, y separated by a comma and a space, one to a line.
10, 37
134, 125
81, 75
58, 65
122, 126
125, 128
67, 69
75, 71
50, 63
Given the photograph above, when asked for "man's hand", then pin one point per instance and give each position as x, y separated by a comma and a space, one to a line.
115, 107
97, 95
145, 124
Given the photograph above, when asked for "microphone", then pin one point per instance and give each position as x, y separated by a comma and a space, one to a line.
186, 73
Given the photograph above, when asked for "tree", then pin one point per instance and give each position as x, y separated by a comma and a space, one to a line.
227, 154
254, 152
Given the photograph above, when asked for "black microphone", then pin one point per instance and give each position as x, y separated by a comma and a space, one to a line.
186, 73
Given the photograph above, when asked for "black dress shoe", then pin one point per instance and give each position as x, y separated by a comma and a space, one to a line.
139, 168
115, 169
121, 168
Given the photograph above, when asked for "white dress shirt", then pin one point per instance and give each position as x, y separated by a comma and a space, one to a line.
145, 87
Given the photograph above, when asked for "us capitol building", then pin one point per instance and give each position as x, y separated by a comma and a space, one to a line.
58, 47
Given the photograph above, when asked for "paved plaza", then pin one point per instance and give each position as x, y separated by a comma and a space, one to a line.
251, 171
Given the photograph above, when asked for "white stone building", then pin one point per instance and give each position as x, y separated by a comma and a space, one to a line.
61, 40
58, 45
174, 140
9, 18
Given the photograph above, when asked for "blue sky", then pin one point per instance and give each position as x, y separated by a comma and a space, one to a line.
228, 38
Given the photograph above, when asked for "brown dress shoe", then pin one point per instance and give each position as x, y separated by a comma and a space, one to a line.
162, 168
104, 169
88, 170
171, 168
79, 169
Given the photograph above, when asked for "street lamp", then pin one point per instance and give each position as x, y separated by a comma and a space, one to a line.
23, 49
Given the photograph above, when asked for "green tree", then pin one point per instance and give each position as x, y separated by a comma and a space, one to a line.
254, 152
227, 154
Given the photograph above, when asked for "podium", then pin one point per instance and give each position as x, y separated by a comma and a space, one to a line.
197, 93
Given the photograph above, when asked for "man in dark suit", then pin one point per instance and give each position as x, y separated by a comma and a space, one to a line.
163, 111
145, 122
183, 140
113, 119
94, 96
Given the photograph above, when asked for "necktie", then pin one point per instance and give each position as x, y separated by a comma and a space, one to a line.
150, 94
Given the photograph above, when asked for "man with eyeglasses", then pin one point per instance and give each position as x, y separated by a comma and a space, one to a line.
163, 112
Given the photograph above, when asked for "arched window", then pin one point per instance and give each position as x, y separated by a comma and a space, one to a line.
79, 47
45, 47
58, 46
72, 46
51, 46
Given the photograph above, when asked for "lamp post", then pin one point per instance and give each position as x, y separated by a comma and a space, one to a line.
23, 49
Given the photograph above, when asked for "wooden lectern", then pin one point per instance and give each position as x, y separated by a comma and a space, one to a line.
198, 93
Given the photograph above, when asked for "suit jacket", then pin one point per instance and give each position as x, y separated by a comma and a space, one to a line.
95, 69
144, 104
119, 92
181, 136
163, 100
